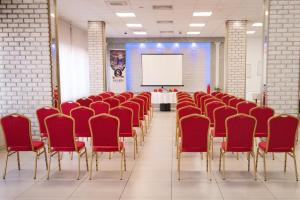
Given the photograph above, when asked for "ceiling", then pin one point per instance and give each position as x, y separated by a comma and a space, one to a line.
79, 12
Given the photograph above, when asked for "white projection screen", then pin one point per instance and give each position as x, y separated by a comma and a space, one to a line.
162, 69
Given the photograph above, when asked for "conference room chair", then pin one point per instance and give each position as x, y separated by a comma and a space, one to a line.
227, 98
197, 98
210, 108
146, 108
233, 102
95, 98
182, 95
126, 95
81, 116
148, 95
100, 107
185, 99
219, 129
104, 95
220, 95
18, 138
197, 93
174, 90
62, 138
84, 102
183, 104
281, 139
135, 107
66, 107
125, 116
207, 101
141, 113
132, 94
240, 130
194, 130
159, 90
105, 131
262, 116
120, 98
202, 100
214, 93
41, 114
110, 93
245, 107
112, 102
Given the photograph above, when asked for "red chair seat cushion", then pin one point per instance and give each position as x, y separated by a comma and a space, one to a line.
108, 148
79, 145
132, 134
235, 149
261, 134
36, 146
263, 146
214, 134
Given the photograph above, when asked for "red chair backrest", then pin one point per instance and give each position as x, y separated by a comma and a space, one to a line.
183, 104
215, 93
100, 107
141, 106
227, 98
61, 133
220, 116
120, 98
17, 131
240, 132
42, 113
160, 90
110, 93
81, 116
125, 116
126, 95
282, 133
66, 107
146, 103
207, 101
148, 96
84, 102
175, 90
135, 107
220, 95
211, 107
104, 95
202, 100
235, 101
194, 133
188, 110
105, 130
198, 97
245, 107
95, 98
112, 102
262, 116
131, 94
185, 99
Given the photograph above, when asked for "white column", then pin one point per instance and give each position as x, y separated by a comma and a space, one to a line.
217, 71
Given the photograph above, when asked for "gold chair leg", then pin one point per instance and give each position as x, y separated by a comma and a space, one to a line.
295, 163
86, 160
209, 164
201, 155
96, 161
265, 167
253, 156
273, 156
212, 147
45, 154
48, 174
220, 160
178, 163
109, 155
136, 145
285, 160
18, 159
256, 160
35, 164
223, 156
124, 151
237, 156
91, 166
78, 170
5, 168
206, 161
58, 157
248, 158
122, 160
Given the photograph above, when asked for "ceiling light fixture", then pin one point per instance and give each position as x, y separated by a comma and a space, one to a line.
134, 25
139, 33
125, 14
197, 25
250, 32
202, 14
193, 33
52, 15
257, 24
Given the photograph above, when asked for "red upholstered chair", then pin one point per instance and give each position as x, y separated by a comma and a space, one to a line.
104, 95
125, 116
194, 137
120, 98
202, 100
81, 116
240, 130
262, 116
131, 94
234, 102
126, 95
220, 116
110, 93
95, 98
155, 90
245, 107
84, 102
185, 99
100, 107
210, 108
214, 93
281, 139
183, 104
61, 134
148, 96
17, 135
227, 98
207, 101
66, 107
142, 111
197, 93
174, 90
112, 102
105, 130
220, 95
160, 90
135, 107
41, 114
198, 97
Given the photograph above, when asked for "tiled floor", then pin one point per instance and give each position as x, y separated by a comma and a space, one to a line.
151, 176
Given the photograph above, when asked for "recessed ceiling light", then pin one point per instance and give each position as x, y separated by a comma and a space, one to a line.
193, 33
257, 24
197, 25
139, 33
52, 15
202, 14
125, 14
250, 32
134, 25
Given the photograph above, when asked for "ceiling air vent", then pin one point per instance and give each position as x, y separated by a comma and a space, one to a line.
166, 32
164, 22
117, 3
162, 7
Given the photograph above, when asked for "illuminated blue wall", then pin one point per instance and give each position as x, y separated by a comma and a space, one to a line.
196, 63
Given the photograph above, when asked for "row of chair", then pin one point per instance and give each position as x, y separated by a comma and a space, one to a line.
104, 120
205, 116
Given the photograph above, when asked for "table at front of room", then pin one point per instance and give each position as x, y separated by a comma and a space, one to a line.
164, 99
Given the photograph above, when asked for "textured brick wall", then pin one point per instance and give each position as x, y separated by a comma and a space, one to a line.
283, 55
96, 50
25, 72
235, 40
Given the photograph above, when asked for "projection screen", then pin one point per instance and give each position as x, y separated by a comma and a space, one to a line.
162, 69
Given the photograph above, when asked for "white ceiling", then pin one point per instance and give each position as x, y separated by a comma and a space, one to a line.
79, 12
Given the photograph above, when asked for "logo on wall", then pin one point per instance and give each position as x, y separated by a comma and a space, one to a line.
117, 64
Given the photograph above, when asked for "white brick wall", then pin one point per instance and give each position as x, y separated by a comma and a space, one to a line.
283, 56
96, 50
235, 40
25, 72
